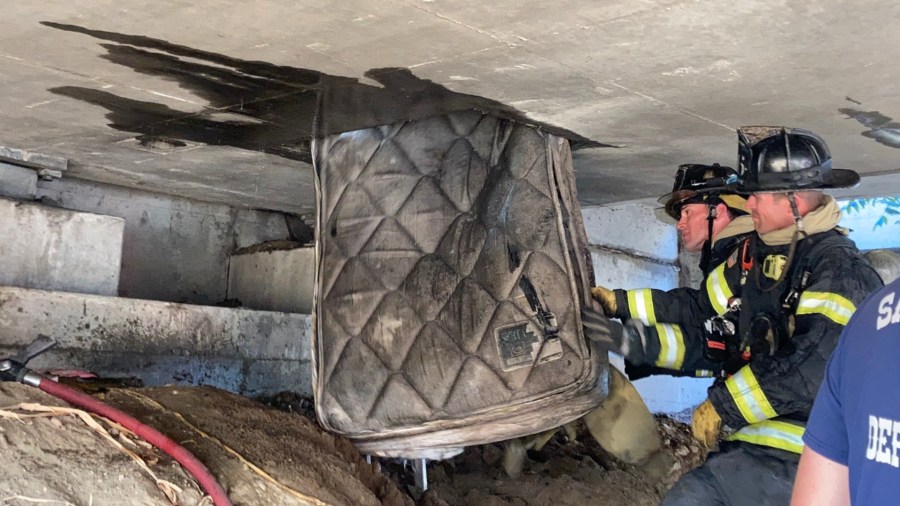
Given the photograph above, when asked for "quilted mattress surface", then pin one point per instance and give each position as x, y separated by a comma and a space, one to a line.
452, 266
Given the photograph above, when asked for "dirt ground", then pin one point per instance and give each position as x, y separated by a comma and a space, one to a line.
265, 456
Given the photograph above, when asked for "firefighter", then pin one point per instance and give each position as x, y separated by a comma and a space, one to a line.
800, 279
663, 333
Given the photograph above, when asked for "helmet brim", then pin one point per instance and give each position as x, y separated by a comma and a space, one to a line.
675, 197
662, 214
670, 200
833, 179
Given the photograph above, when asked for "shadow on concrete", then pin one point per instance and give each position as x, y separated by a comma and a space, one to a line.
883, 129
271, 108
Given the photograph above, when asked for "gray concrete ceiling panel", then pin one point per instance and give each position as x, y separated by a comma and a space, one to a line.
666, 80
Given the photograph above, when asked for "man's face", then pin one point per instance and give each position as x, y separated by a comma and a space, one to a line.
770, 211
693, 226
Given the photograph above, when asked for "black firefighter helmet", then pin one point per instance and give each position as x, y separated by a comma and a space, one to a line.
697, 183
780, 159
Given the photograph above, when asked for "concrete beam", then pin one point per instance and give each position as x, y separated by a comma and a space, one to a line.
57, 249
274, 280
245, 351
174, 249
17, 182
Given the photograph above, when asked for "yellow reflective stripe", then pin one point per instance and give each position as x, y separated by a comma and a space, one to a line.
703, 373
772, 433
671, 346
640, 306
833, 306
749, 397
718, 290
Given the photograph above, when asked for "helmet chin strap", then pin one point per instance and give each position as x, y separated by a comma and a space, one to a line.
707, 245
797, 218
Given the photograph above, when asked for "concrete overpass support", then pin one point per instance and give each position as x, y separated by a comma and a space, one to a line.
58, 249
630, 248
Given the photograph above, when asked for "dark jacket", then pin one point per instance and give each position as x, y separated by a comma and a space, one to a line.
825, 282
674, 319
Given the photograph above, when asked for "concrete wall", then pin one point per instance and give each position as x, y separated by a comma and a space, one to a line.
17, 182
175, 249
244, 351
57, 249
630, 248
274, 280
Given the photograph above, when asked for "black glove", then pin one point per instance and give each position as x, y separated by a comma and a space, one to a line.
600, 329
626, 340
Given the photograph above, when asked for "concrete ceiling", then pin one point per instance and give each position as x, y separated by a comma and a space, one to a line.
216, 99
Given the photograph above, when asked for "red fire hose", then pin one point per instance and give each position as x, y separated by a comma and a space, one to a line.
151, 435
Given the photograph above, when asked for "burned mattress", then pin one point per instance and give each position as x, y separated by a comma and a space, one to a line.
451, 268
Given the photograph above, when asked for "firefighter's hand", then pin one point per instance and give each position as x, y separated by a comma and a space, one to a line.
706, 424
600, 329
626, 340
606, 298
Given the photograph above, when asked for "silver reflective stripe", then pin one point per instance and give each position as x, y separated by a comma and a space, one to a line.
717, 289
749, 397
640, 305
772, 433
671, 346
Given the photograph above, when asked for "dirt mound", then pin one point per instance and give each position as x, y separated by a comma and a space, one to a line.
271, 457
263, 456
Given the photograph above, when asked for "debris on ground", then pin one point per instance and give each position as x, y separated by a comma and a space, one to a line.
273, 456
563, 472
259, 455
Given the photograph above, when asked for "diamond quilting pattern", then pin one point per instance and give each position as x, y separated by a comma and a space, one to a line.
433, 225
427, 214
357, 379
432, 364
387, 413
491, 391
462, 175
358, 288
532, 234
354, 221
530, 153
390, 178
391, 253
391, 331
351, 151
467, 315
429, 286
436, 133
498, 267
461, 245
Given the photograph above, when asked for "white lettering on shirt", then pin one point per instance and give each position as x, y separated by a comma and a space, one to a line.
884, 441
873, 438
895, 459
885, 308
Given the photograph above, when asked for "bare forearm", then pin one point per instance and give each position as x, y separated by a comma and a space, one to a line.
820, 482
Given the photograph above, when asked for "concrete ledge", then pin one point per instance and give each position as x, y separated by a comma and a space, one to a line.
241, 350
631, 227
616, 269
56, 249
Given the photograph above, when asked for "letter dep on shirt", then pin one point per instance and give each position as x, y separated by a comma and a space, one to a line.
884, 441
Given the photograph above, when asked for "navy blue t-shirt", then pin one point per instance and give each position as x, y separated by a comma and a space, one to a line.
856, 417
